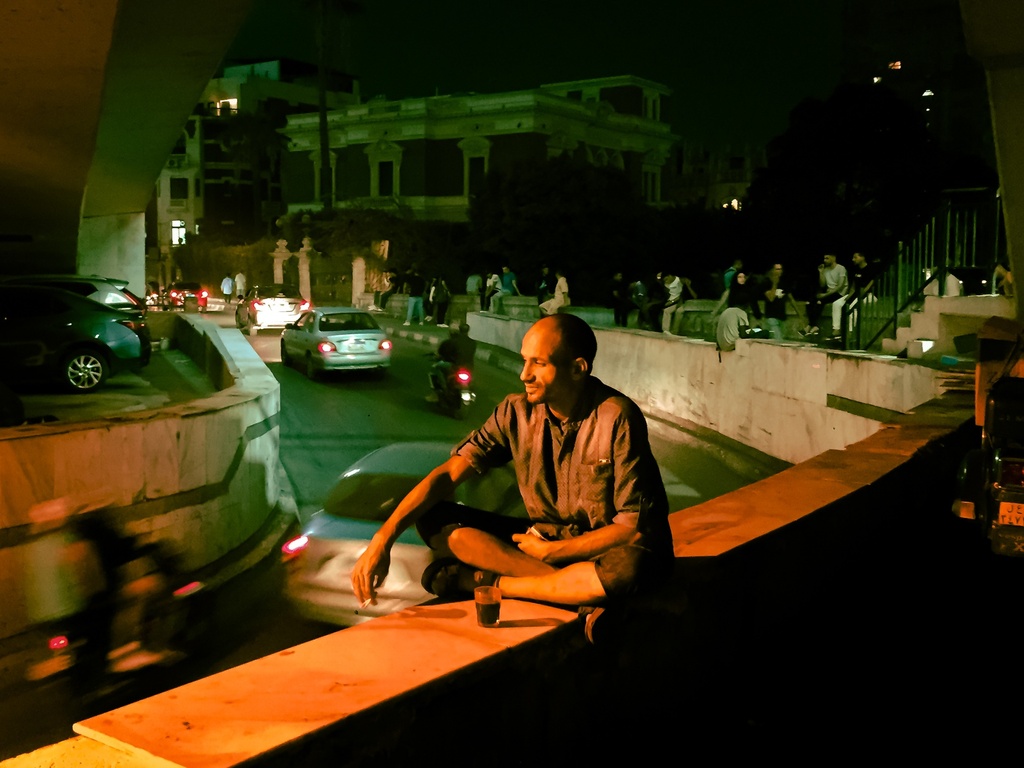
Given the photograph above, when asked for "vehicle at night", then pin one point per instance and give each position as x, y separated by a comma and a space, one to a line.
991, 478
452, 388
269, 306
138, 614
53, 335
320, 560
335, 339
182, 293
109, 291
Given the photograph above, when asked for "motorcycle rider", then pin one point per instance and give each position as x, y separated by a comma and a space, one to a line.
457, 351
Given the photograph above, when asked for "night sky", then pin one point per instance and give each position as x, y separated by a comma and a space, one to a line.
735, 68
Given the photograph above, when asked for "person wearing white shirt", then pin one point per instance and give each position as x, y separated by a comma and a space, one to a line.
833, 284
672, 314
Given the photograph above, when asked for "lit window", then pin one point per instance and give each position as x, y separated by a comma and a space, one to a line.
177, 232
876, 80
895, 65
928, 92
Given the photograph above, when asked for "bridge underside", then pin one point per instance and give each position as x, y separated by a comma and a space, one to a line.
96, 93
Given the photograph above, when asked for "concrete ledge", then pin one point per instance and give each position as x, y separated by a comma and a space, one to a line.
747, 563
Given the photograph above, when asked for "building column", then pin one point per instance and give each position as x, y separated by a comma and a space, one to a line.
304, 253
281, 254
992, 31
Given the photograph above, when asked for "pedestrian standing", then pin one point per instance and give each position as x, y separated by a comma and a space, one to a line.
440, 296
240, 284
620, 301
227, 287
415, 286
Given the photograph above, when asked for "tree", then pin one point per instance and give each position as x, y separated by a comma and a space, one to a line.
329, 14
586, 219
858, 170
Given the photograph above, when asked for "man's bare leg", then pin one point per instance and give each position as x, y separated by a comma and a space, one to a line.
525, 576
575, 584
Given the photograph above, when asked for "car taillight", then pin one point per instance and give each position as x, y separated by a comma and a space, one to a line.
1011, 472
58, 643
188, 589
463, 376
203, 293
294, 547
325, 346
135, 325
257, 305
385, 345
174, 294
305, 305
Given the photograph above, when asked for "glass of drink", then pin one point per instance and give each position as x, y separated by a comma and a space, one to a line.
488, 606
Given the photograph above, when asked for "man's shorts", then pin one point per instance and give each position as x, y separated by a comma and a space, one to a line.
623, 571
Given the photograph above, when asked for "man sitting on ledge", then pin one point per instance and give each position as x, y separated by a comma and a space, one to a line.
598, 513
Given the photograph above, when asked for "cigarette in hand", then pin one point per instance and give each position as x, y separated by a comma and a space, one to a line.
365, 602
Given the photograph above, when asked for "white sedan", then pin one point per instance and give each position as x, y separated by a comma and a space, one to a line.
334, 339
320, 560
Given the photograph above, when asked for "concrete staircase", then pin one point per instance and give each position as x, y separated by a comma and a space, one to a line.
932, 330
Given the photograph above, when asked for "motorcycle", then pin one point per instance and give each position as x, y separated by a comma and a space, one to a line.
452, 388
136, 616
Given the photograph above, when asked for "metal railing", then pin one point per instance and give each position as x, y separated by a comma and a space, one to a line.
956, 252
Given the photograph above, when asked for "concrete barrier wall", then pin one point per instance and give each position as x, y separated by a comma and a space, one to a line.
203, 475
790, 401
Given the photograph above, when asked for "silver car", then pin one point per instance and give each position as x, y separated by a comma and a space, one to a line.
334, 339
269, 306
320, 560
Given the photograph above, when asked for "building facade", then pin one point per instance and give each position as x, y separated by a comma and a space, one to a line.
429, 155
223, 173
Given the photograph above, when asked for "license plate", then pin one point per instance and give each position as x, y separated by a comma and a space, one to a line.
1011, 513
357, 344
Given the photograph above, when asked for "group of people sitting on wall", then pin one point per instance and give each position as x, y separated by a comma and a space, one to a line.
747, 300
750, 304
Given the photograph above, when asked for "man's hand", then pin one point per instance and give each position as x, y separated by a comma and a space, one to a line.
369, 573
532, 545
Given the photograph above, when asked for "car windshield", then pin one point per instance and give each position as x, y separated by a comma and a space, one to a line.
365, 496
373, 496
348, 321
